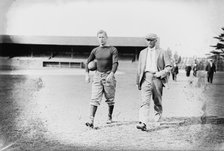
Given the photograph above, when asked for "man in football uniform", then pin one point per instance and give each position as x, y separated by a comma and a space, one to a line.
103, 80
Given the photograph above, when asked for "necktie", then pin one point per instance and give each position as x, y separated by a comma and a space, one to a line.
151, 59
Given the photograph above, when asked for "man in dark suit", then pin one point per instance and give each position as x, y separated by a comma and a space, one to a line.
175, 71
210, 68
153, 68
188, 70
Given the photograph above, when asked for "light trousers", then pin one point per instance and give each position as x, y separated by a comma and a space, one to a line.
151, 88
100, 86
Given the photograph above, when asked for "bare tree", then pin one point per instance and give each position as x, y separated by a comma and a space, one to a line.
175, 58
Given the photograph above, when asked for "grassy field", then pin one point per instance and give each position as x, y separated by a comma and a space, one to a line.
47, 109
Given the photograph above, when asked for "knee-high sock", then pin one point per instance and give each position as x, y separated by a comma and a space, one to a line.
110, 110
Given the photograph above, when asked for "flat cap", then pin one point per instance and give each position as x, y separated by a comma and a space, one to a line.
151, 36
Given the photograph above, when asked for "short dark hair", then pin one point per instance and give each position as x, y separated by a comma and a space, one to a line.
102, 32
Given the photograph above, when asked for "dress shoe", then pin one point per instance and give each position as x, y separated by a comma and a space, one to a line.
141, 126
109, 120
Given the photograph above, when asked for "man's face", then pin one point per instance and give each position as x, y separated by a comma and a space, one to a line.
210, 61
102, 39
151, 42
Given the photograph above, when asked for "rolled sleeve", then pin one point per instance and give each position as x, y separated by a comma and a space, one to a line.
115, 56
114, 60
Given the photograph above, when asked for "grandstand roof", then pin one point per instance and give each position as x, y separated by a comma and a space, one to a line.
71, 40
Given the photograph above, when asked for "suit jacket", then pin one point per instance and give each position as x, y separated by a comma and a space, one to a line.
163, 65
210, 69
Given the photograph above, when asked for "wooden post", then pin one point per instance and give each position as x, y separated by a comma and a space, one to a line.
31, 53
72, 55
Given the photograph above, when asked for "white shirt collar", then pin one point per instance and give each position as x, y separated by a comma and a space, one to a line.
151, 49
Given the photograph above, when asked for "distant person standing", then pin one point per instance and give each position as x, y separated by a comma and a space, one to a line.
195, 69
188, 70
103, 80
166, 84
175, 71
210, 68
153, 68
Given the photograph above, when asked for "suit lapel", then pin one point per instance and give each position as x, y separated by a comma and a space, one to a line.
157, 56
145, 59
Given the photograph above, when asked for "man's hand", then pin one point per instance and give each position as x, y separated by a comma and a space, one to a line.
110, 77
87, 78
157, 74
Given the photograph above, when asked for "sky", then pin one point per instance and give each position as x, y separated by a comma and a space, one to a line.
185, 26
